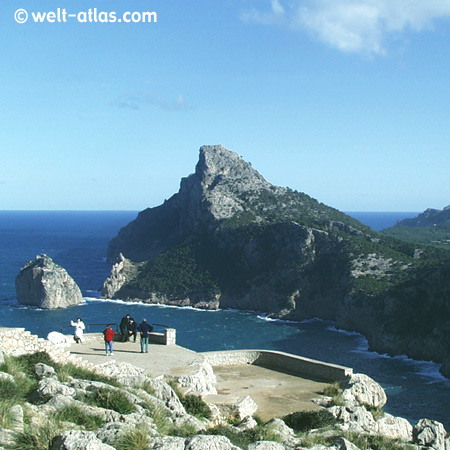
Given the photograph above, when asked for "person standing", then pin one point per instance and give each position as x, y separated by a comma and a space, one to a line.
79, 329
109, 333
124, 327
145, 329
132, 329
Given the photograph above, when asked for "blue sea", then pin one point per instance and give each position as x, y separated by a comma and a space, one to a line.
78, 241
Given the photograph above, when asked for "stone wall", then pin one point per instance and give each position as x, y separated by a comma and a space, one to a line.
18, 341
282, 362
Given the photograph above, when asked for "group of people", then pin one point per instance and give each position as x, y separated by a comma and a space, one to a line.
128, 329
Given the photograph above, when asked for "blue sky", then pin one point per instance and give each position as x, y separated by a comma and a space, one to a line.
347, 101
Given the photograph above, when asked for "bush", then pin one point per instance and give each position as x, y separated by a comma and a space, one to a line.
134, 439
37, 438
195, 406
375, 442
302, 421
76, 415
111, 399
334, 390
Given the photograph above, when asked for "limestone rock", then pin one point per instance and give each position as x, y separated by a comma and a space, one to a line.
123, 372
78, 440
44, 371
395, 428
47, 285
49, 387
430, 433
59, 340
209, 443
202, 381
169, 443
363, 390
265, 445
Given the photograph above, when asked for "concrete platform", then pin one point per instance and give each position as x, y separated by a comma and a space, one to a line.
170, 360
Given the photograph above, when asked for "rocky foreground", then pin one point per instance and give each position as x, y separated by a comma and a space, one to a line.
48, 405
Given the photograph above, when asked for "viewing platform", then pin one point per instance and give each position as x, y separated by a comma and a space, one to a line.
279, 383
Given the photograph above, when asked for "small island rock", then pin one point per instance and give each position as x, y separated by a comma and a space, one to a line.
47, 285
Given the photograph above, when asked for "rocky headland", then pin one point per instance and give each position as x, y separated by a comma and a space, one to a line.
65, 405
432, 227
43, 283
230, 239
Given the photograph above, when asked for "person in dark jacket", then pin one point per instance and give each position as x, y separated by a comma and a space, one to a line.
144, 329
124, 327
132, 329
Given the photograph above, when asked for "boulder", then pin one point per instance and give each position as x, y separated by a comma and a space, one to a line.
59, 340
168, 443
47, 285
395, 428
43, 371
209, 443
49, 387
362, 390
430, 433
202, 381
78, 440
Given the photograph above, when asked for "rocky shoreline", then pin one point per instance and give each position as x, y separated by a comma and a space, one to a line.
117, 406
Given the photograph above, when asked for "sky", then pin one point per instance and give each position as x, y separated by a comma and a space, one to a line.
345, 100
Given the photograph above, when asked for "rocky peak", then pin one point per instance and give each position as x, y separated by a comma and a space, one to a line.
217, 164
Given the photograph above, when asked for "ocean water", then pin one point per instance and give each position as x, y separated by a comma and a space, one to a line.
78, 241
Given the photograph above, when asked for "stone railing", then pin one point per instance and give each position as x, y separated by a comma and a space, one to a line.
18, 341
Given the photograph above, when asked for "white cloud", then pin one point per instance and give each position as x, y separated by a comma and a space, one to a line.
353, 26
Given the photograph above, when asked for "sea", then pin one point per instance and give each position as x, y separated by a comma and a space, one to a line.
77, 240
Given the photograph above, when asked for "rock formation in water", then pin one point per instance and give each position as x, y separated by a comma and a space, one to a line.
47, 285
230, 239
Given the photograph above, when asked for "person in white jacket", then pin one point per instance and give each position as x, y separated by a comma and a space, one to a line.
79, 328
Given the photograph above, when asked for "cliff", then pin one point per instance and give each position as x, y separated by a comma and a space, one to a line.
230, 239
47, 285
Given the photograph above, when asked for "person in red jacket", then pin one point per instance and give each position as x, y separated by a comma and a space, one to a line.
109, 333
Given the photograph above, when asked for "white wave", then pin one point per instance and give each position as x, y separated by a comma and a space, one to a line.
271, 319
150, 305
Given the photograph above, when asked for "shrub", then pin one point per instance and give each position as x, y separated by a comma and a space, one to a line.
375, 442
76, 415
6, 418
37, 438
134, 439
193, 404
335, 391
302, 421
111, 399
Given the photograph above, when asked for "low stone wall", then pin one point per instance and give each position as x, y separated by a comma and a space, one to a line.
18, 341
282, 362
